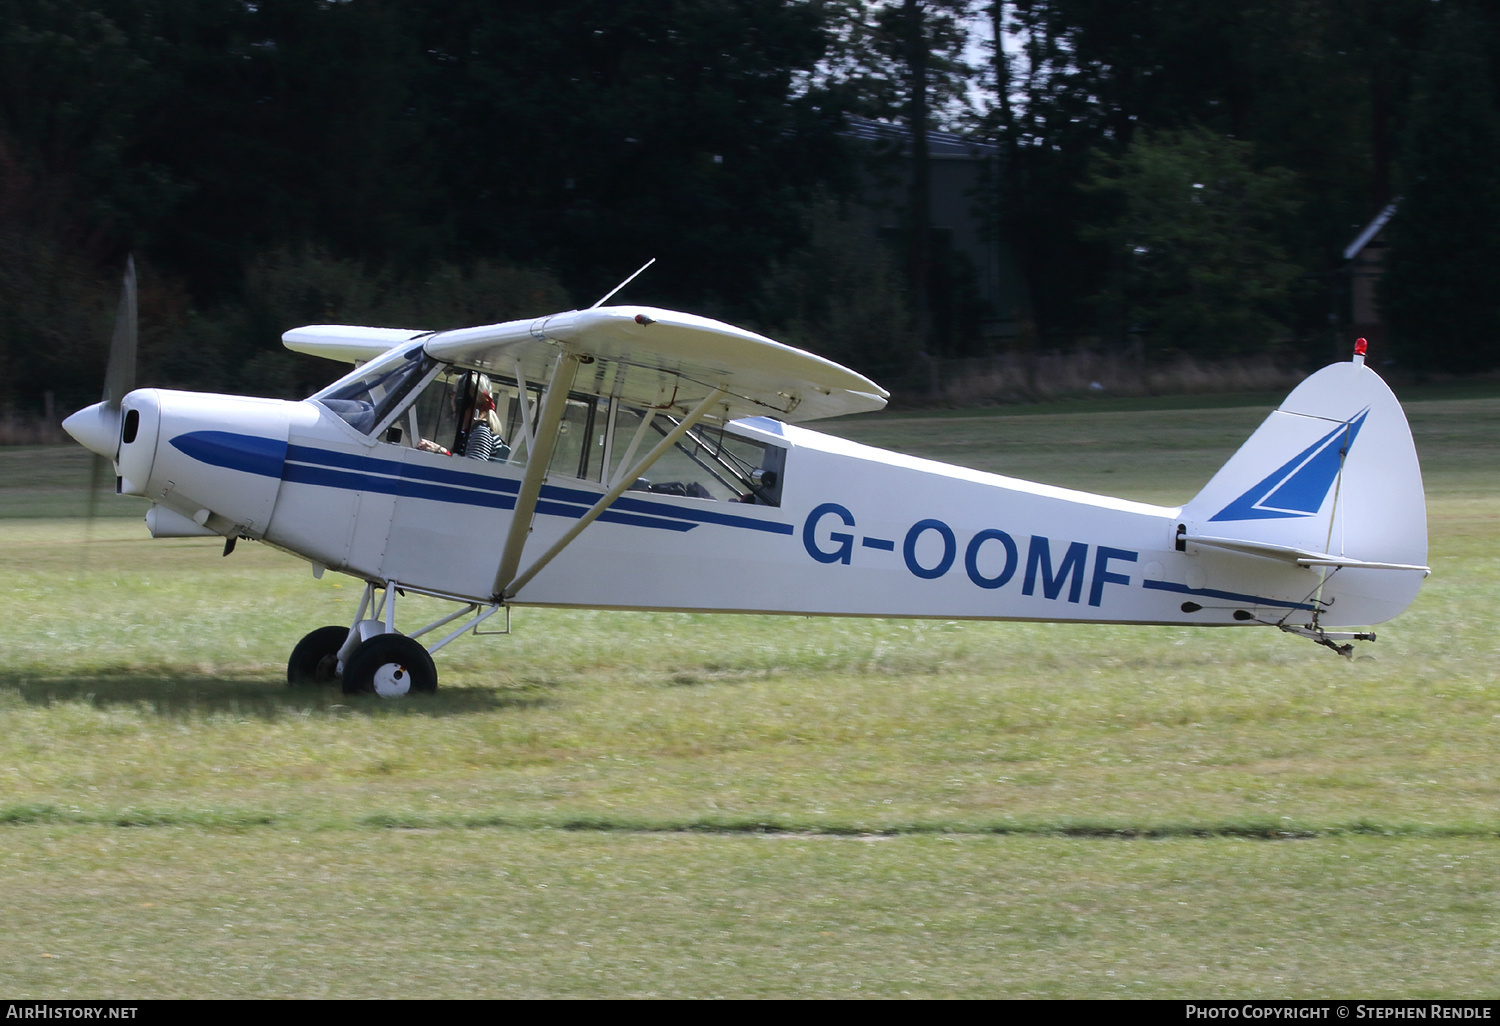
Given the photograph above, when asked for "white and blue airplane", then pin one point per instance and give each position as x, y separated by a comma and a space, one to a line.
628, 457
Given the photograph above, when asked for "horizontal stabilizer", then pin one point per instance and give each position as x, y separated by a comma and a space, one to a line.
1302, 557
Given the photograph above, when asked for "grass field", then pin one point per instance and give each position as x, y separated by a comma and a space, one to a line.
612, 804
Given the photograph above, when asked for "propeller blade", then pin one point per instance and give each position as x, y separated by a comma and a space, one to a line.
97, 427
120, 377
96, 471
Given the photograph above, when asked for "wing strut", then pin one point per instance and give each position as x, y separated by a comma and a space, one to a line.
621, 485
635, 442
553, 405
528, 415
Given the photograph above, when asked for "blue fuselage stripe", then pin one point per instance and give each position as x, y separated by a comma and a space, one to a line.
404, 487
249, 454
1254, 600
395, 468
309, 465
633, 504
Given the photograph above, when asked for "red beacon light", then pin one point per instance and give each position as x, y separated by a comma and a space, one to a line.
1360, 346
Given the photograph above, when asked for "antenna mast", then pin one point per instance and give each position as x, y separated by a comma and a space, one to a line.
622, 284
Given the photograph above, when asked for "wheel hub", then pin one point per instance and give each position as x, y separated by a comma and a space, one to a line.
392, 680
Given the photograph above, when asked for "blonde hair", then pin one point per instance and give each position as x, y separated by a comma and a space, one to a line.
492, 415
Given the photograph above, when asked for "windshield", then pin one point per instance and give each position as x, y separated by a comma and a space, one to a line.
366, 398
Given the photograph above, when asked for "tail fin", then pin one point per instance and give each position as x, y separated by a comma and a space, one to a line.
1329, 481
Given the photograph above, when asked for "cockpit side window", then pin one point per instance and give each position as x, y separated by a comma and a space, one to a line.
709, 462
460, 414
760, 466
455, 412
432, 421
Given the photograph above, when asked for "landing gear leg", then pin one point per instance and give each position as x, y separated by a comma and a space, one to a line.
372, 657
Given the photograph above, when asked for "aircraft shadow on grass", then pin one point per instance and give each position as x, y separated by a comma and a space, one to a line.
173, 693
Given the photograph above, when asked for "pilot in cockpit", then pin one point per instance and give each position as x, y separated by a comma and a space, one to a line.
480, 433
485, 440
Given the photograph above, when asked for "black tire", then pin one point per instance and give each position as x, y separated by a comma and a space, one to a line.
390, 665
315, 660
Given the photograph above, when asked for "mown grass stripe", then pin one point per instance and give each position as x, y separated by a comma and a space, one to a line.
45, 814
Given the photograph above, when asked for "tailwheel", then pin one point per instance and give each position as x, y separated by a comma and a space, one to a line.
390, 665
315, 660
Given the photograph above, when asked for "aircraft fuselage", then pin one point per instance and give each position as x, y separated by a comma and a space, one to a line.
859, 530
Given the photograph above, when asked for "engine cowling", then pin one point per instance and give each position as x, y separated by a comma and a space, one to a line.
215, 459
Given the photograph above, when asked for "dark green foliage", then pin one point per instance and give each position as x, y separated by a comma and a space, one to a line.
842, 296
1202, 269
1440, 293
238, 347
403, 142
54, 310
592, 136
1317, 86
409, 159
871, 58
904, 63
288, 123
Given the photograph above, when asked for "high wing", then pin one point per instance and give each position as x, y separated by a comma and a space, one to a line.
655, 359
685, 367
347, 342
660, 358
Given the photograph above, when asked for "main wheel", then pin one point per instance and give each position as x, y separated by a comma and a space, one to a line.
390, 665
315, 660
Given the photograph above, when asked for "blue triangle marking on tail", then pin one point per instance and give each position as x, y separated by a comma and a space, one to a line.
1298, 487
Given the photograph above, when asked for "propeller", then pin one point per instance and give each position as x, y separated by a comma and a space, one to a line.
97, 427
119, 378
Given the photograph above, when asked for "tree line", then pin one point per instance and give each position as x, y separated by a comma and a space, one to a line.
1173, 175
